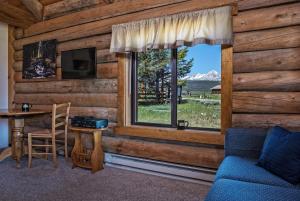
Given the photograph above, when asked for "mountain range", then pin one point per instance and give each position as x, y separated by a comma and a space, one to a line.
212, 75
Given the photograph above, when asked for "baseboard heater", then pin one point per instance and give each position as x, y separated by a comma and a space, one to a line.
164, 169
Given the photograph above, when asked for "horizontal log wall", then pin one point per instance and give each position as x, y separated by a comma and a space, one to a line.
98, 97
266, 79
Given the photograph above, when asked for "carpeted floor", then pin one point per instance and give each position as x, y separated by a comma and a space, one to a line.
43, 182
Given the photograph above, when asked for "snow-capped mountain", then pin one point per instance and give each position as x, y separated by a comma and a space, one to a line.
211, 76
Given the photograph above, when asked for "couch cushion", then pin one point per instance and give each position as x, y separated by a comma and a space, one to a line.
232, 190
237, 168
281, 154
244, 142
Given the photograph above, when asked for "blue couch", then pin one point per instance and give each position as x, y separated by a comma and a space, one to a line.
240, 179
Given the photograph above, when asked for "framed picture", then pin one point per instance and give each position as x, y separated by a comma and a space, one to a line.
39, 60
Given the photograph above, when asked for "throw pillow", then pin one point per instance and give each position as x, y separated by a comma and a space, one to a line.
281, 154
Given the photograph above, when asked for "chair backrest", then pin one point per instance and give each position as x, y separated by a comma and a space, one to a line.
60, 117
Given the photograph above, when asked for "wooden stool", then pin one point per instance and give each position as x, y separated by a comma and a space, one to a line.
85, 159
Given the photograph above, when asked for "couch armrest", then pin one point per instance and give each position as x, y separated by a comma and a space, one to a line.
244, 142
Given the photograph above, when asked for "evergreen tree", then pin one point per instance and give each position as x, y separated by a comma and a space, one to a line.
154, 73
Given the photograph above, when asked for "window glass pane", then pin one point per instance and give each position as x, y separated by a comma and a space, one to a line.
154, 87
199, 85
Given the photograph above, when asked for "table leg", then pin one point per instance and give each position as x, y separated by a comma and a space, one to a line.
8, 151
97, 154
76, 149
17, 145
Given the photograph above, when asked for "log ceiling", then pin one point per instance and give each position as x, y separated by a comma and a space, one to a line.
16, 15
23, 13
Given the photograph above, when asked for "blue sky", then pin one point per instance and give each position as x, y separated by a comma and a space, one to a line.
206, 58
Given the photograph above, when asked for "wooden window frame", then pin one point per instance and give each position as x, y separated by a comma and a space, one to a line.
173, 102
134, 111
188, 135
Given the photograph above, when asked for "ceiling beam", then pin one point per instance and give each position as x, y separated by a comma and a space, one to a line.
67, 6
35, 7
15, 16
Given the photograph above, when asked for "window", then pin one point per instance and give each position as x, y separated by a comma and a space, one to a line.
177, 84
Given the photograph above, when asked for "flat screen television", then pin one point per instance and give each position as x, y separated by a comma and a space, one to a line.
79, 64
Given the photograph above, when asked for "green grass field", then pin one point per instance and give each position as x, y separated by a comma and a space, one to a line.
197, 113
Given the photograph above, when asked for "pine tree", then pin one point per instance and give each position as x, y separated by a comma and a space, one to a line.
154, 73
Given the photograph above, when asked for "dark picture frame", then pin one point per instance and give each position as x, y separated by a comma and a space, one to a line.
39, 60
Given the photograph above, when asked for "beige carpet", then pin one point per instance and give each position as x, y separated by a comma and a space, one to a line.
43, 183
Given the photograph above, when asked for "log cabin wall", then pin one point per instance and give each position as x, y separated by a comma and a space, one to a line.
266, 79
266, 70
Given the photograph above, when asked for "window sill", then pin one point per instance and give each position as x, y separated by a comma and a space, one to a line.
188, 135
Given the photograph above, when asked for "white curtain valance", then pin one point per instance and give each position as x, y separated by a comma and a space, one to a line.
210, 26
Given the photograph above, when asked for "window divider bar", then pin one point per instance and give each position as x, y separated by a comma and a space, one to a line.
134, 89
174, 88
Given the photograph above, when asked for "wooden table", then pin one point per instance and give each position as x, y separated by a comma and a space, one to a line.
83, 158
16, 149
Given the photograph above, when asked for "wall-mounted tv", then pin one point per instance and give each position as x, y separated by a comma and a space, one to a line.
79, 64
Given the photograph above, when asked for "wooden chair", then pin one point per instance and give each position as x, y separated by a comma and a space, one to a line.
60, 117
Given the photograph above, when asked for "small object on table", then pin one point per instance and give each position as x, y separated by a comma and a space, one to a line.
182, 124
88, 122
17, 131
82, 157
26, 107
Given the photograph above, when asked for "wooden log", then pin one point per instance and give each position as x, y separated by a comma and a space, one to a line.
47, 2
16, 10
289, 121
18, 65
58, 61
19, 79
122, 105
104, 26
107, 70
63, 7
15, 16
193, 136
104, 56
266, 102
99, 41
94, 14
40, 121
271, 60
250, 4
35, 7
58, 74
98, 112
287, 37
19, 32
77, 99
226, 89
267, 81
11, 72
264, 18
44, 122
69, 86
105, 12
18, 55
196, 156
